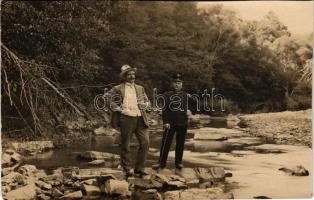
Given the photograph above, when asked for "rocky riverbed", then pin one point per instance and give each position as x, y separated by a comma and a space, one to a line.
24, 181
289, 127
222, 160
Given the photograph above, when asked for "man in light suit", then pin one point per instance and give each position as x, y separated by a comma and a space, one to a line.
129, 104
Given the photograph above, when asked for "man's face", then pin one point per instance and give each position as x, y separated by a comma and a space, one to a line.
130, 76
177, 85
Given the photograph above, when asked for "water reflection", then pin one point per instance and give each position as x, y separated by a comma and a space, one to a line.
66, 157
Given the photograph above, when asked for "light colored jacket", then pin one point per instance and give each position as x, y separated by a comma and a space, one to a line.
115, 97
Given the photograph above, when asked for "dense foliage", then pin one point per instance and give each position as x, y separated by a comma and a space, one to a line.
256, 65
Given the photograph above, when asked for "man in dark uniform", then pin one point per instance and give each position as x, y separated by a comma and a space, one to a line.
175, 120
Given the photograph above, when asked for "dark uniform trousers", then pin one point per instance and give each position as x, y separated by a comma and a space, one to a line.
130, 125
180, 132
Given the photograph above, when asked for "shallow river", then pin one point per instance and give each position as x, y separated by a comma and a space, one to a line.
253, 161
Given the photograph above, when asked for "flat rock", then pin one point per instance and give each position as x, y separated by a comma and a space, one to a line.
90, 190
96, 162
90, 182
43, 197
188, 174
216, 133
32, 146
117, 187
96, 155
26, 193
95, 172
199, 194
56, 193
105, 131
151, 194
210, 174
43, 185
73, 195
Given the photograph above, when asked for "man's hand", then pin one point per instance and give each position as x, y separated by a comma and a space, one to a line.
166, 126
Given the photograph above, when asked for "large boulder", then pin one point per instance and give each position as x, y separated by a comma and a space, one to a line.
32, 146
199, 194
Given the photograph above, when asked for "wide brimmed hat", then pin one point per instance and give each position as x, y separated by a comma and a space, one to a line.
125, 69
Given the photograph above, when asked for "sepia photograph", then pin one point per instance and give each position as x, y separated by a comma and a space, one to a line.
156, 100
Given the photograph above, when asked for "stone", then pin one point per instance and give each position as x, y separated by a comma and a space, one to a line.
76, 185
13, 177
188, 174
9, 151
32, 146
73, 195
95, 172
27, 170
117, 187
43, 185
90, 182
175, 185
90, 190
153, 150
43, 197
216, 133
6, 171
177, 178
96, 155
160, 178
96, 162
151, 194
5, 160
53, 177
56, 193
27, 192
297, 171
16, 158
68, 172
143, 184
105, 131
206, 184
210, 174
199, 194
103, 178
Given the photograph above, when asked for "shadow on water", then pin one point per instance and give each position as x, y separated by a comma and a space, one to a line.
66, 156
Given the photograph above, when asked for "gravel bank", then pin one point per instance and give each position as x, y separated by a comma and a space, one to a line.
289, 127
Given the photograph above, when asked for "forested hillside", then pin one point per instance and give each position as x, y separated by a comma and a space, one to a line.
58, 56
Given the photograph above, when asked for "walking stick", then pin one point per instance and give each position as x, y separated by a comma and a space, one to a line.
163, 144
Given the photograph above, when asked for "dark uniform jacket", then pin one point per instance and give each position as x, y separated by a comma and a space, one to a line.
176, 106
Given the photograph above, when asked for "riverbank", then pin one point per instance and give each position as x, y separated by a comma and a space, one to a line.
288, 127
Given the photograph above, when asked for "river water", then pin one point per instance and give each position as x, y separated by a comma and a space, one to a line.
254, 162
